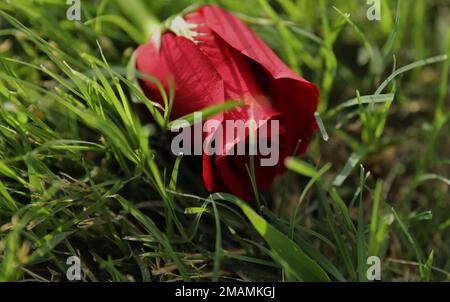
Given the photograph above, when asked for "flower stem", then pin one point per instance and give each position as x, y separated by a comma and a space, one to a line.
137, 13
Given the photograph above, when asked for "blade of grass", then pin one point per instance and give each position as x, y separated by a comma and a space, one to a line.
295, 262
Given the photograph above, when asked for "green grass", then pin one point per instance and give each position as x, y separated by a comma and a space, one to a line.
86, 169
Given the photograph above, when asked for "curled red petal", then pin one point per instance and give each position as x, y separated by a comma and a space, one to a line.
238, 77
197, 83
294, 97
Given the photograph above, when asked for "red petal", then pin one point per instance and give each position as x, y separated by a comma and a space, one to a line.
297, 93
294, 97
211, 177
242, 38
234, 175
197, 84
297, 106
237, 73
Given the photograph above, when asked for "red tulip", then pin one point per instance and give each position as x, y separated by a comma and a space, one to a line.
220, 59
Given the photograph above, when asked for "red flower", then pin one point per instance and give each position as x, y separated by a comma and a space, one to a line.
221, 59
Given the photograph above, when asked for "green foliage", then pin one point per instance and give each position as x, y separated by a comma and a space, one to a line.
85, 166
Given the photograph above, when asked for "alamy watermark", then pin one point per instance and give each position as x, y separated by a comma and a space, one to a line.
73, 272
374, 10
230, 137
373, 272
73, 12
